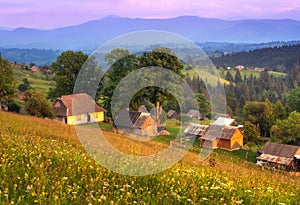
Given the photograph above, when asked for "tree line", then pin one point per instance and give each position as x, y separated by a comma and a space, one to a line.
275, 58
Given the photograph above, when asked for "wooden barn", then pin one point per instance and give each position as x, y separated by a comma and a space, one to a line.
224, 137
172, 114
195, 130
282, 156
77, 109
136, 123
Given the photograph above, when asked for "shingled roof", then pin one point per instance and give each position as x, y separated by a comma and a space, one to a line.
281, 150
220, 132
75, 104
131, 119
195, 129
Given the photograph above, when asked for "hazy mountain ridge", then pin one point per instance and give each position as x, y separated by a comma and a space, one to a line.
92, 34
213, 49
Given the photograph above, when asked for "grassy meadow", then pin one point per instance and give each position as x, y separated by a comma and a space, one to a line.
42, 162
248, 73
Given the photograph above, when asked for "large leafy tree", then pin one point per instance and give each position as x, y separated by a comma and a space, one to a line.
261, 114
287, 130
118, 70
122, 63
66, 69
163, 58
115, 55
251, 133
7, 86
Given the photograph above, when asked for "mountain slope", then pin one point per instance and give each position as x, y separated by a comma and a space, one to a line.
91, 34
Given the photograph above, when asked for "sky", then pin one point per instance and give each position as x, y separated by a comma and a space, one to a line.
59, 13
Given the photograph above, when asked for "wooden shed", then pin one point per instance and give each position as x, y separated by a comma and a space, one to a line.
280, 155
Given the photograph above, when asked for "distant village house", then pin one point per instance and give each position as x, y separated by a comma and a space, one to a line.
259, 69
172, 114
35, 69
195, 114
21, 96
240, 67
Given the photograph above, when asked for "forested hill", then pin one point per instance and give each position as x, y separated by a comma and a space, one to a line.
275, 58
37, 56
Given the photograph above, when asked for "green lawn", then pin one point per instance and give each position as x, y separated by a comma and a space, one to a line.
207, 75
173, 127
247, 155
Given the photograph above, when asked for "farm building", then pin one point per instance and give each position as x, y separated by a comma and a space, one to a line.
77, 109
195, 130
195, 114
137, 123
280, 155
172, 114
224, 137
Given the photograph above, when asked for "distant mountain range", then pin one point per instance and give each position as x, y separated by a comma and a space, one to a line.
90, 35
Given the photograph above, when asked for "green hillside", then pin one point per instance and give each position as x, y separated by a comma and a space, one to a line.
42, 162
37, 80
248, 73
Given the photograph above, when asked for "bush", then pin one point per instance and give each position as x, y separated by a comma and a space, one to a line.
37, 105
14, 107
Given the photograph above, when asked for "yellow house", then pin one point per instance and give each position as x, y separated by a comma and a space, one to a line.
224, 137
77, 109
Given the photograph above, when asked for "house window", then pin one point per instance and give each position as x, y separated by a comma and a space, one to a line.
96, 115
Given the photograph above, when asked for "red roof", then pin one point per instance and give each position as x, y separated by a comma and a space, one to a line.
76, 104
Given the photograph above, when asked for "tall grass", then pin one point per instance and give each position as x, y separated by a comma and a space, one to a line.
42, 162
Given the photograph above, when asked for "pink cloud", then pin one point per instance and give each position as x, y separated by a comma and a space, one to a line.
56, 13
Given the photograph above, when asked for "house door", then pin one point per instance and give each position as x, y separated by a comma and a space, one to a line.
88, 118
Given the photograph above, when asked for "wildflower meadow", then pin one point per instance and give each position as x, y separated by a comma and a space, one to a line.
42, 162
